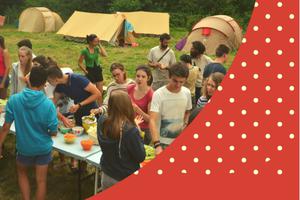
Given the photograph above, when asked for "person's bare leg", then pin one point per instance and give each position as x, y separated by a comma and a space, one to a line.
23, 181
3, 93
99, 85
41, 180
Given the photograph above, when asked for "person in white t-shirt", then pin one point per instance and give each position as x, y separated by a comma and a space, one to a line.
160, 58
170, 107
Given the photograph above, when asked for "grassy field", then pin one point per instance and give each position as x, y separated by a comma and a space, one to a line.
61, 182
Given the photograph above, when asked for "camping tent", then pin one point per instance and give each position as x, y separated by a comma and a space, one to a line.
215, 30
109, 26
39, 19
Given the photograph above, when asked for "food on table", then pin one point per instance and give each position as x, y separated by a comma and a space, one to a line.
88, 121
69, 138
77, 130
92, 133
150, 155
86, 144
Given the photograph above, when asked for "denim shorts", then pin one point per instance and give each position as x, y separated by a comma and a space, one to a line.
34, 160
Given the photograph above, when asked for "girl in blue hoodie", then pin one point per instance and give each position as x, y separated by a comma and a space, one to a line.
119, 138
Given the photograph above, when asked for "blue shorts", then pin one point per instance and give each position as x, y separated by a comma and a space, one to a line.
34, 160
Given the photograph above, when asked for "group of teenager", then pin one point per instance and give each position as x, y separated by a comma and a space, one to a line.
158, 103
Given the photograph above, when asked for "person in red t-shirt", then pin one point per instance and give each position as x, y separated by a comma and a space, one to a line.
141, 96
4, 69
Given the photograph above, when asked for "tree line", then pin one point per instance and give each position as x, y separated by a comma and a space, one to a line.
183, 13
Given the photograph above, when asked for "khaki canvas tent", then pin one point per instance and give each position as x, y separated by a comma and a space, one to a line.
108, 27
39, 19
215, 30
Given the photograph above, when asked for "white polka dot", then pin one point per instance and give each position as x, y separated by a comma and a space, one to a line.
279, 4
196, 160
291, 16
207, 172
244, 136
244, 64
279, 124
292, 88
220, 160
292, 112
255, 172
207, 148
255, 52
220, 136
207, 124
255, 148
267, 16
231, 148
244, 112
209, 101
267, 159
279, 100
231, 100
136, 172
268, 88
267, 64
220, 112
279, 172
220, 88
279, 52
196, 136
231, 124
231, 171
183, 148
244, 40
279, 76
268, 112
279, 28
244, 160
172, 160
184, 171
244, 88
292, 64
255, 76
255, 100
267, 40
292, 40
159, 172
231, 76
255, 28
279, 148
268, 136
256, 4
292, 136
255, 124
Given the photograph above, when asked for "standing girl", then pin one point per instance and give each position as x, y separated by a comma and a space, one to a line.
90, 55
141, 96
4, 69
120, 141
21, 69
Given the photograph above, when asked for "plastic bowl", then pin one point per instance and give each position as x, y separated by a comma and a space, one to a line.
86, 144
64, 129
69, 138
77, 130
88, 121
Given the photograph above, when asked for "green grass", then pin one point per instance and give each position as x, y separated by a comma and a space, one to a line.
66, 53
61, 182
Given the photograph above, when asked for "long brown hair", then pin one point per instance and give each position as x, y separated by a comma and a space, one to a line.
28, 65
216, 77
120, 111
